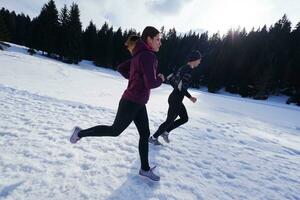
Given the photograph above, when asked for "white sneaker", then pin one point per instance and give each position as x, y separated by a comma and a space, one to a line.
149, 174
154, 141
74, 137
165, 136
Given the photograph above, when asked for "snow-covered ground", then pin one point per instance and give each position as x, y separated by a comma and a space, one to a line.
231, 148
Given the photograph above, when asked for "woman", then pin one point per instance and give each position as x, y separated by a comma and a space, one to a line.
141, 74
182, 79
124, 67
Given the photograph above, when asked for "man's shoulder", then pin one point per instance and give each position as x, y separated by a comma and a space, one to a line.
185, 68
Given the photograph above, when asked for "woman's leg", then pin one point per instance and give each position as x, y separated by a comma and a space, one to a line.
173, 112
182, 120
142, 124
126, 113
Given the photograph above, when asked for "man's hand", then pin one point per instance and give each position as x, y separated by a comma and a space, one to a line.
193, 99
162, 77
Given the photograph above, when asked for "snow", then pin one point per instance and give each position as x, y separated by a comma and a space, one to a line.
231, 148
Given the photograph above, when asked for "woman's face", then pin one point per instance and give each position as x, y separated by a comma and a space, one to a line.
195, 63
154, 43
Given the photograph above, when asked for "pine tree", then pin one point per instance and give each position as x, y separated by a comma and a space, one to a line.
4, 34
23, 29
279, 52
119, 49
294, 69
35, 36
168, 53
211, 72
9, 19
46, 28
110, 48
90, 41
74, 34
28, 31
102, 45
63, 38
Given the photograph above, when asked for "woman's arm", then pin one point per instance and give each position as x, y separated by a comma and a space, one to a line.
124, 68
149, 65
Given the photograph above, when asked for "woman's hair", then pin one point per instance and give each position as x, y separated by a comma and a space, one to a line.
131, 40
149, 31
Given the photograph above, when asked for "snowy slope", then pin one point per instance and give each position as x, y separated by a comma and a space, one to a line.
231, 148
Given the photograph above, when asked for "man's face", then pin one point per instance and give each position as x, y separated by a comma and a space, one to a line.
154, 43
196, 63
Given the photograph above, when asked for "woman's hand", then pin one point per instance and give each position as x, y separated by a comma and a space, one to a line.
193, 99
161, 76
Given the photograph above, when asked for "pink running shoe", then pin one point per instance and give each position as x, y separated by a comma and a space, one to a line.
149, 174
74, 137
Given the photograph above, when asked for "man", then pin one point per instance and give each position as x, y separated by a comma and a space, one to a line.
180, 81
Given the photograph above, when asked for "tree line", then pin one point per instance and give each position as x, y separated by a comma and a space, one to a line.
257, 64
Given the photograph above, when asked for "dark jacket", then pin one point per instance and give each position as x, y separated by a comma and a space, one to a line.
141, 72
181, 80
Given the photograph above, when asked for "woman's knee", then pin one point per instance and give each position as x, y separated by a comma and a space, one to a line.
116, 131
144, 135
185, 119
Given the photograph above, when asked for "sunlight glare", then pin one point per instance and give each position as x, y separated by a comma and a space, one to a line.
233, 14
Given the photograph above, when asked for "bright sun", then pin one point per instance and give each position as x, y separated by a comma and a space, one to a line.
233, 14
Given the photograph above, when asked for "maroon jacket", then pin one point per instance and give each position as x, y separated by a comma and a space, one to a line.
141, 72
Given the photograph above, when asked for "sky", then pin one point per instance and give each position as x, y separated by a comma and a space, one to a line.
184, 15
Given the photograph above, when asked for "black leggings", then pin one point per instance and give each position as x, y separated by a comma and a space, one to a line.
128, 111
176, 108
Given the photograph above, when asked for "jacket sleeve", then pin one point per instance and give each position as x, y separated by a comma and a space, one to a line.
185, 83
149, 65
124, 68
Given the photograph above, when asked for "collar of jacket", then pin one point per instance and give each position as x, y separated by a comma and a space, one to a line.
141, 46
